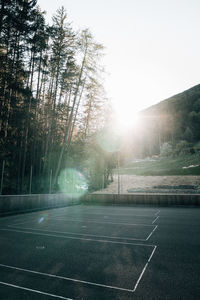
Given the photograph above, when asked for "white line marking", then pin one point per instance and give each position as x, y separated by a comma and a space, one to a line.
21, 223
157, 212
16, 218
86, 282
30, 214
144, 269
151, 233
91, 221
82, 214
66, 278
122, 209
34, 291
83, 234
156, 219
76, 238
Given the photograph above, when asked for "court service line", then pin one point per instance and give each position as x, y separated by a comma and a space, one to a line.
155, 219
15, 218
85, 221
151, 233
65, 278
82, 281
121, 209
29, 214
21, 223
34, 291
77, 238
99, 222
81, 234
107, 214
144, 269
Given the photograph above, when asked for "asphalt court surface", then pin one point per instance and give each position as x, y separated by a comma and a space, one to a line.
101, 252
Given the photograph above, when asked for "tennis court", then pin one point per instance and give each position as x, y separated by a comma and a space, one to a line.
101, 252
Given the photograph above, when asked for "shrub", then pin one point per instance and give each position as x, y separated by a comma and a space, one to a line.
181, 148
166, 150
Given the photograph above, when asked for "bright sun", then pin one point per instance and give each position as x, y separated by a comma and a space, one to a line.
126, 116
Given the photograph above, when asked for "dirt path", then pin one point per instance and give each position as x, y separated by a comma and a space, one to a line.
144, 182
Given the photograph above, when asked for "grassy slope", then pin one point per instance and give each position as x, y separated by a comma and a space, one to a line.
164, 166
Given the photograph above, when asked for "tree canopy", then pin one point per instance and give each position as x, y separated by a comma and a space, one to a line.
52, 101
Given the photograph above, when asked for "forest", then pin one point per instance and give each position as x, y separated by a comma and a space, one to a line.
52, 103
55, 133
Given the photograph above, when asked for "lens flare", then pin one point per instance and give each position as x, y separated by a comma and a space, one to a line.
43, 218
109, 140
72, 182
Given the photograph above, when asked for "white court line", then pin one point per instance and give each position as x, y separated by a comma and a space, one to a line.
155, 219
66, 278
84, 221
64, 213
27, 214
21, 223
157, 212
141, 275
108, 214
83, 281
156, 226
82, 234
99, 222
76, 238
14, 217
34, 291
117, 208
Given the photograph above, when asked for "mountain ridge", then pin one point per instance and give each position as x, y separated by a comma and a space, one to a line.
177, 97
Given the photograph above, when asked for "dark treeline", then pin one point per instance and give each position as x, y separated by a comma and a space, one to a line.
52, 101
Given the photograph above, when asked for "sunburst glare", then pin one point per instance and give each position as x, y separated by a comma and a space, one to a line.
126, 116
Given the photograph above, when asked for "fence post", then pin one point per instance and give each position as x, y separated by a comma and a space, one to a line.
31, 174
50, 182
2, 175
103, 183
118, 168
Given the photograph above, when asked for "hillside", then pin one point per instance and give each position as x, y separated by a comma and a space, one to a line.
174, 121
182, 165
186, 99
178, 117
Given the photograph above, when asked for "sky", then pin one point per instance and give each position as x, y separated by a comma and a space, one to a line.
152, 47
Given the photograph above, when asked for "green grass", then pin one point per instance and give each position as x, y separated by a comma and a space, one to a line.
164, 166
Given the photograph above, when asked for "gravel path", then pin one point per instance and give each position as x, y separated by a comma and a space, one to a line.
143, 183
